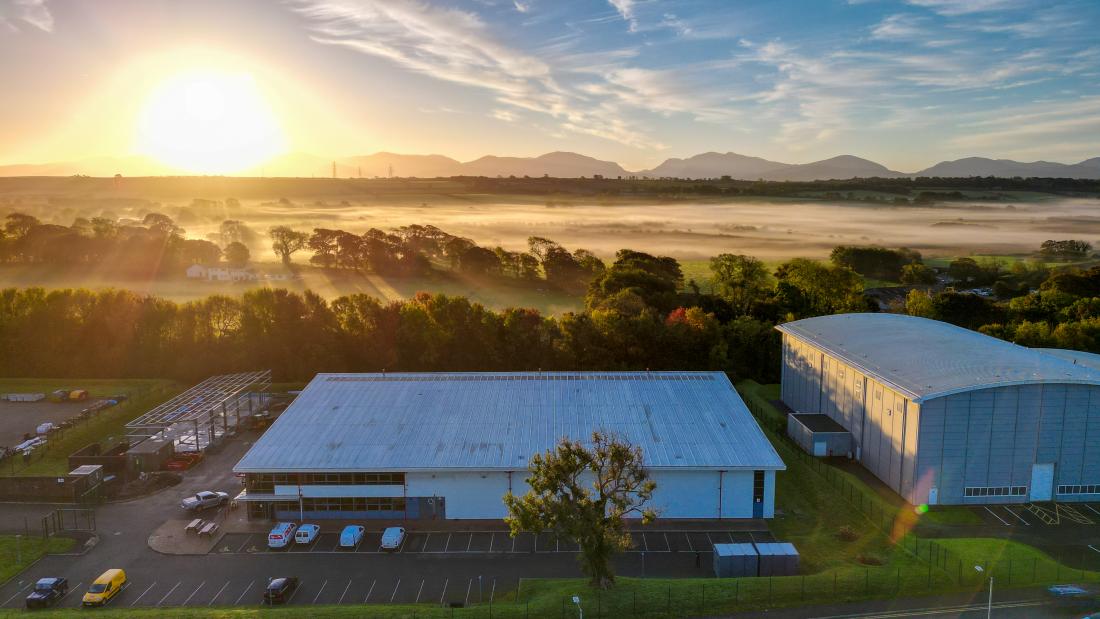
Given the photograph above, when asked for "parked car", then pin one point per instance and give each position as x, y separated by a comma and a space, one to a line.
1072, 596
47, 591
281, 535
306, 534
352, 535
392, 538
105, 588
280, 589
204, 500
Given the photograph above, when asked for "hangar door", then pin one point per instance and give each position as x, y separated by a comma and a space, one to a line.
1042, 482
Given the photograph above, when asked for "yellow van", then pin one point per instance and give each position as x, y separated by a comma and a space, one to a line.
105, 588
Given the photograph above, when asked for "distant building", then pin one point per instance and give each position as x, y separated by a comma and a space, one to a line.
222, 273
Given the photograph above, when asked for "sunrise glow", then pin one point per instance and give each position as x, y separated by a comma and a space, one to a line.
209, 122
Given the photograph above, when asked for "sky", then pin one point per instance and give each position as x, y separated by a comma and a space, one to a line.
906, 83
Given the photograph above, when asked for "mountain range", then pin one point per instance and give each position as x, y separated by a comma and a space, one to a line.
573, 165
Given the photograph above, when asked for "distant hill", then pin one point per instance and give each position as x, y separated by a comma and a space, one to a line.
570, 165
715, 165
843, 166
981, 166
559, 164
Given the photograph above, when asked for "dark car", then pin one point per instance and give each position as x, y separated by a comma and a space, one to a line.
279, 589
47, 591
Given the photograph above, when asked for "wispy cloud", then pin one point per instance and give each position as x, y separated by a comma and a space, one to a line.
899, 27
966, 7
15, 14
522, 7
626, 10
457, 46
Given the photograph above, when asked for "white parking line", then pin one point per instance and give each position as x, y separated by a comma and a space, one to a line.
493, 591
1094, 548
241, 596
341, 600
369, 592
201, 585
424, 548
468, 587
395, 590
244, 543
492, 538
447, 545
444, 594
418, 592
691, 547
213, 599
709, 539
513, 544
996, 516
1018, 516
645, 542
16, 594
75, 587
134, 603
1091, 508
294, 593
168, 594
470, 542
319, 592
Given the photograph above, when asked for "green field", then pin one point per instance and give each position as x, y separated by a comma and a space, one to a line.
143, 394
18, 553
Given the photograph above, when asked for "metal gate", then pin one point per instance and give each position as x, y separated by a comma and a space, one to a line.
68, 520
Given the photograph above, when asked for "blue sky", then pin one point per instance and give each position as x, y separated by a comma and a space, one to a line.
904, 82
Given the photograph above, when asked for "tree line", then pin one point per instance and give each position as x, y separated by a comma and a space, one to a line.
153, 245
637, 315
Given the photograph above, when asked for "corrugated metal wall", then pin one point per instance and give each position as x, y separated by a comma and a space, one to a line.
882, 421
993, 437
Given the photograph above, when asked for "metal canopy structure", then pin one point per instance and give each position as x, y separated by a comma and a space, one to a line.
204, 413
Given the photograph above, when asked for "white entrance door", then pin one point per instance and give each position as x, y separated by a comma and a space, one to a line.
820, 448
1042, 482
934, 496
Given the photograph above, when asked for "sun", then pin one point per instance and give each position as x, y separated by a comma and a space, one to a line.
209, 122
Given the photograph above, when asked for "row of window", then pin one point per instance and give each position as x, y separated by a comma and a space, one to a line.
344, 504
267, 482
1087, 489
972, 491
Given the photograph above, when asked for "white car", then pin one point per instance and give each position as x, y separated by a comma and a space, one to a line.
351, 535
204, 500
306, 534
281, 535
392, 538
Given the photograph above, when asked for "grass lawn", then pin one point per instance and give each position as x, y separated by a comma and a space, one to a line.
143, 395
17, 554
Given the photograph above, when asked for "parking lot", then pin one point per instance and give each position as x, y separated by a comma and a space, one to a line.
487, 542
1033, 515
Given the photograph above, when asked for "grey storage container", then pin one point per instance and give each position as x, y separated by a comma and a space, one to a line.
732, 560
777, 559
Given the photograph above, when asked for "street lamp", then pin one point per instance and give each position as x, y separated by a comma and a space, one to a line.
989, 606
580, 611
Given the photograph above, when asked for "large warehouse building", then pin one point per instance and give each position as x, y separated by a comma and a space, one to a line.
424, 446
945, 415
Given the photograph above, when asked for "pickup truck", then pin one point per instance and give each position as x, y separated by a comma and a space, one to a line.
47, 591
204, 500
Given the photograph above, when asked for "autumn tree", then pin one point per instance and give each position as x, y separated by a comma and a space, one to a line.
585, 492
285, 241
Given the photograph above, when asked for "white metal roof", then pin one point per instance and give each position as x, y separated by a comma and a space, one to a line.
483, 421
925, 359
1087, 359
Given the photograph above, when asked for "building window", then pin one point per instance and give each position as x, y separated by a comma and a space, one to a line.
344, 504
1079, 489
267, 483
758, 486
986, 491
